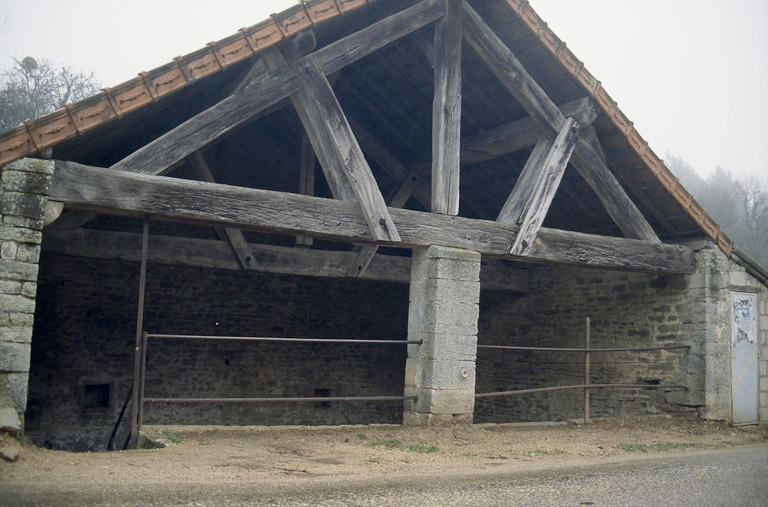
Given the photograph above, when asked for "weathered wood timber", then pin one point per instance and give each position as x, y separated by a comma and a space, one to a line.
446, 112
172, 250
521, 134
260, 94
325, 114
389, 163
366, 253
306, 178
233, 236
547, 180
319, 137
514, 207
505, 65
118, 192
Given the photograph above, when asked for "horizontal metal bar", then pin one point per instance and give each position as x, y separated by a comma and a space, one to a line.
266, 400
272, 339
582, 386
557, 349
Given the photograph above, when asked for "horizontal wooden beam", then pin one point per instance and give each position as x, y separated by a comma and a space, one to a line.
233, 236
173, 250
118, 192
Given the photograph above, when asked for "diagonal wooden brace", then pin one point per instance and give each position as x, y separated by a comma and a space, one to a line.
548, 178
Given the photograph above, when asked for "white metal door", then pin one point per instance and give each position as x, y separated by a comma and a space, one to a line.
744, 367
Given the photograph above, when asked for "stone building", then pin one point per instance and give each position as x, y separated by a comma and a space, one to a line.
423, 194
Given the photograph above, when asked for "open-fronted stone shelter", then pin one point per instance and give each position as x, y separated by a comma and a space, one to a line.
389, 195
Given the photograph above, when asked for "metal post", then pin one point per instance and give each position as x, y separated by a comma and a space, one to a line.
138, 352
586, 374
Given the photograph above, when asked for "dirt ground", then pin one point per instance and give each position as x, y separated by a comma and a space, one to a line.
216, 454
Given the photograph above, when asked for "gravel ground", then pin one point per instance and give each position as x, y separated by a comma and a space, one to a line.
320, 464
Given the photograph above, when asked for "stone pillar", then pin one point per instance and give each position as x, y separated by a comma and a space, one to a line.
24, 186
443, 312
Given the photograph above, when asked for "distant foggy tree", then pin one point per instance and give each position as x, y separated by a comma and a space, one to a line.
754, 202
685, 173
33, 88
739, 206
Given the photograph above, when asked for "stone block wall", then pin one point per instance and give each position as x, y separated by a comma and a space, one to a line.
24, 185
443, 314
85, 333
626, 310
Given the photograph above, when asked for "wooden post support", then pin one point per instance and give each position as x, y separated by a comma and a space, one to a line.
446, 111
586, 373
138, 352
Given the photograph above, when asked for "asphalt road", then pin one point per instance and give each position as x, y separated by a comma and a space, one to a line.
734, 478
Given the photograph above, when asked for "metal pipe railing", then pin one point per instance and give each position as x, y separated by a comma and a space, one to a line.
582, 386
276, 339
565, 349
282, 400
587, 351
141, 367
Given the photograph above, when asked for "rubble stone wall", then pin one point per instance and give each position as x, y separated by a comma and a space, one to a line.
24, 185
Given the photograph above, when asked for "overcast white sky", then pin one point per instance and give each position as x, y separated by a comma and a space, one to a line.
691, 74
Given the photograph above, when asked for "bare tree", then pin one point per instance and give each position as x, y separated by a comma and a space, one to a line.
754, 203
739, 206
33, 88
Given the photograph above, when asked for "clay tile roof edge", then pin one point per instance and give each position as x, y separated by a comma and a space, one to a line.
33, 136
569, 62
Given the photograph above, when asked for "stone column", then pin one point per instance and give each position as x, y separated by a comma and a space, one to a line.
443, 312
24, 187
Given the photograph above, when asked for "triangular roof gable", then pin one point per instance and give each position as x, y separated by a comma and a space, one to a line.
165, 81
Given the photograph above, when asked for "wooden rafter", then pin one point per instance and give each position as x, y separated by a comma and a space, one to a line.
511, 73
329, 124
539, 196
521, 134
260, 94
118, 192
319, 137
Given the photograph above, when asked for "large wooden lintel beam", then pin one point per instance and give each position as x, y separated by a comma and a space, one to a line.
117, 192
173, 250
446, 112
233, 236
259, 94
539, 197
513, 76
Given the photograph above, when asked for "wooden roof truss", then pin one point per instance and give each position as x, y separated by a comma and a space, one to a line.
360, 213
